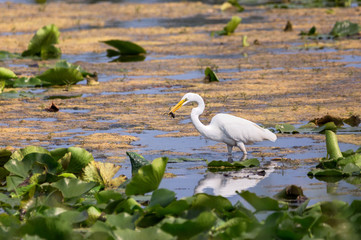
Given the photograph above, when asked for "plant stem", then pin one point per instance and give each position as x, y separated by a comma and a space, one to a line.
333, 150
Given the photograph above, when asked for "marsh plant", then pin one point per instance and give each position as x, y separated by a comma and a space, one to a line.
65, 194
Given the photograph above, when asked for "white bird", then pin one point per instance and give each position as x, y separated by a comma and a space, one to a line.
233, 131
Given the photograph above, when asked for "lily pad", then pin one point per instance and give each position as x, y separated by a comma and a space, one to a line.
4, 156
187, 229
227, 166
70, 187
137, 161
61, 76
286, 128
103, 173
8, 55
29, 82
311, 32
124, 48
18, 94
230, 27
345, 29
147, 178
210, 76
262, 203
6, 74
42, 43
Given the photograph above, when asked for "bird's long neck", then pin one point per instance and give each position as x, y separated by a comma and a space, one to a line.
195, 117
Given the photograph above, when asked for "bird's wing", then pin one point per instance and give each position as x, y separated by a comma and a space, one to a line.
240, 129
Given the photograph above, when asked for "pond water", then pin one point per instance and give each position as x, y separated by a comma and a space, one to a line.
191, 177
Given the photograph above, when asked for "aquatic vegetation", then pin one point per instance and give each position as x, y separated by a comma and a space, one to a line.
337, 165
229, 28
345, 29
232, 4
288, 27
311, 32
43, 43
65, 194
125, 51
62, 73
214, 166
7, 55
245, 42
339, 30
319, 125
210, 75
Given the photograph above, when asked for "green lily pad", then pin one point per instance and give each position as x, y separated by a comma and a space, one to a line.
4, 156
210, 76
124, 48
42, 43
187, 229
147, 178
137, 161
311, 32
66, 64
345, 28
163, 197
236, 5
29, 82
230, 27
61, 76
227, 166
286, 128
8, 55
262, 203
70, 187
6, 74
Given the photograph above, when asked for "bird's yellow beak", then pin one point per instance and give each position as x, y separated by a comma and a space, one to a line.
176, 107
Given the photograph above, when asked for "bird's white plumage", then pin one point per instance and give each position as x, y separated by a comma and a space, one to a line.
232, 130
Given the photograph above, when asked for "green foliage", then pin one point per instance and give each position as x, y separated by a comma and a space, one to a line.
62, 73
61, 76
126, 51
230, 27
339, 30
147, 178
42, 43
339, 165
137, 161
311, 32
6, 74
345, 29
42, 200
210, 76
232, 3
312, 128
227, 166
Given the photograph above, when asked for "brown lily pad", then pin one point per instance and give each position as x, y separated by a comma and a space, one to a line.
52, 108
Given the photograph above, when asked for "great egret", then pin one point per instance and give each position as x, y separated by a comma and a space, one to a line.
233, 131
